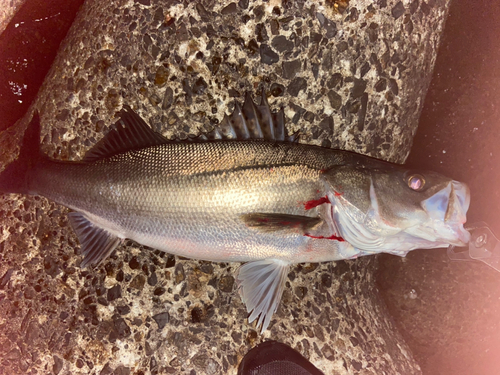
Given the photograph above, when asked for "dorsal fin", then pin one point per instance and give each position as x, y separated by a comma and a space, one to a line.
252, 121
130, 132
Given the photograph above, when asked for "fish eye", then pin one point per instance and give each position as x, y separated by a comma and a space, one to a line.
416, 182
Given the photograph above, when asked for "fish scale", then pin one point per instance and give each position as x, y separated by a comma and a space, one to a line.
159, 200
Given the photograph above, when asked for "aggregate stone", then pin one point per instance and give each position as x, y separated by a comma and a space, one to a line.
282, 44
226, 283
267, 55
161, 319
398, 10
170, 60
291, 68
114, 293
298, 84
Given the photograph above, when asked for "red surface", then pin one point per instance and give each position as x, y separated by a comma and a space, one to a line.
28, 47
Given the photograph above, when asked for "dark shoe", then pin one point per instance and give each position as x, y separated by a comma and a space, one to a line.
275, 358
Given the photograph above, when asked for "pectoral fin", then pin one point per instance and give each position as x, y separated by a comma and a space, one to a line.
96, 243
277, 222
261, 285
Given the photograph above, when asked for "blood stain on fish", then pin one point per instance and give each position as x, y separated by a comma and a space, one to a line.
332, 237
316, 202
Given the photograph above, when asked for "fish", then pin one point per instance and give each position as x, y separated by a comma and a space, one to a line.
247, 191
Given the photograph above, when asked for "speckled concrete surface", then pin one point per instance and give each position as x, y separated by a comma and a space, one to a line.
351, 77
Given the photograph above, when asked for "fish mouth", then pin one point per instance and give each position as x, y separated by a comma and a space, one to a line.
447, 212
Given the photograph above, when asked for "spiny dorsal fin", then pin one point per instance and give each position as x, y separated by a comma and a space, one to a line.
130, 132
252, 121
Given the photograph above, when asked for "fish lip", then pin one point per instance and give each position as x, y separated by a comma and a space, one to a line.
460, 199
462, 192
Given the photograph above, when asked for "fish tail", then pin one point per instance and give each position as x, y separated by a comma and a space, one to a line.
15, 177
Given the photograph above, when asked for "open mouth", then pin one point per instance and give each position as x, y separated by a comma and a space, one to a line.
447, 210
449, 204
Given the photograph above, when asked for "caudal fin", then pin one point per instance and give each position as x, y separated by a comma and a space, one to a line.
14, 178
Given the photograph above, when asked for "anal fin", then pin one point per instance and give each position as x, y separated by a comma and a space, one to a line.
96, 243
261, 285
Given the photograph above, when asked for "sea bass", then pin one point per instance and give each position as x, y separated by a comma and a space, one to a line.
245, 192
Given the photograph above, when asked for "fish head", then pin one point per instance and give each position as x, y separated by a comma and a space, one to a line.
388, 208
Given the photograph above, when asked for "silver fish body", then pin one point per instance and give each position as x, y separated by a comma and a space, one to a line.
249, 193
189, 198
